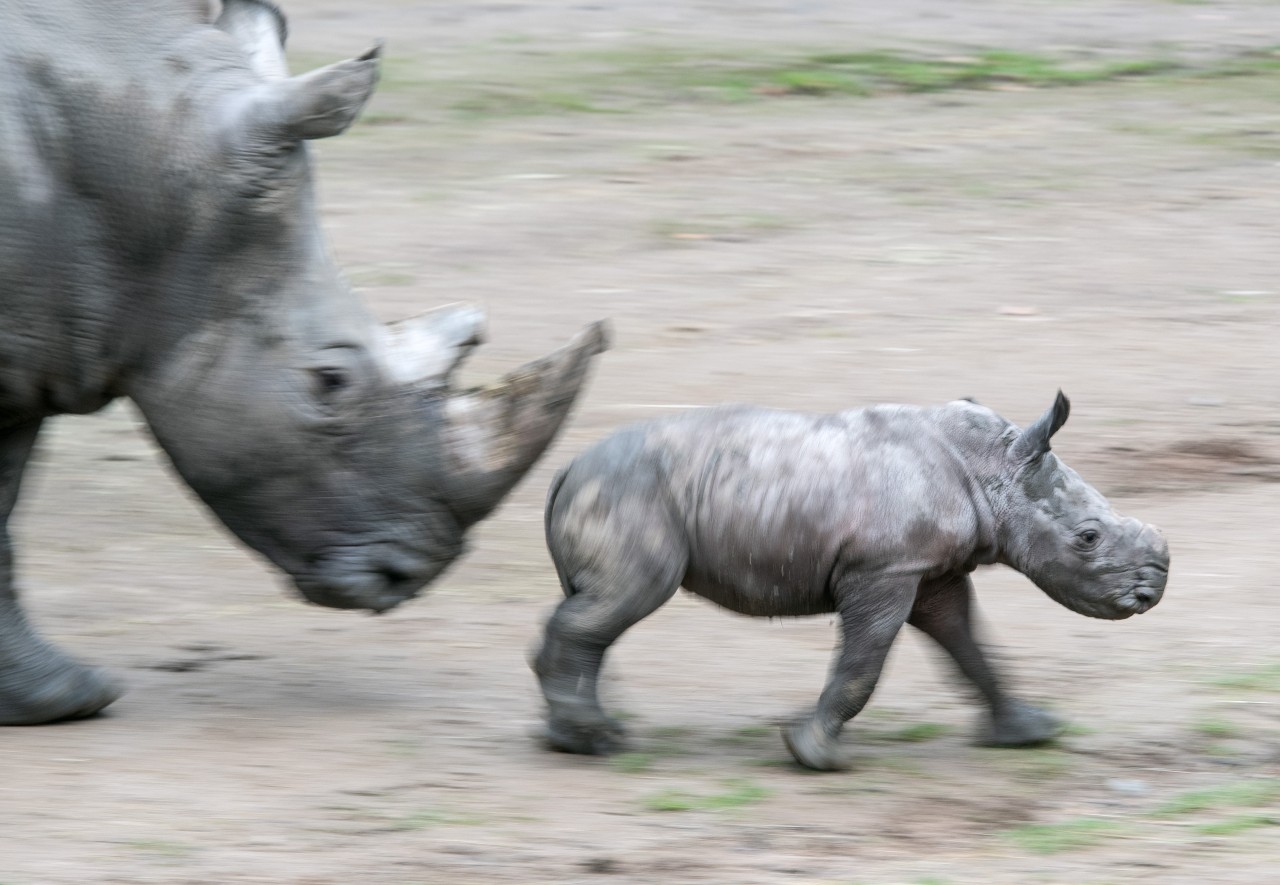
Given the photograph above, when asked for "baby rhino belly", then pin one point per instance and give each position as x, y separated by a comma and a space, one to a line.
763, 587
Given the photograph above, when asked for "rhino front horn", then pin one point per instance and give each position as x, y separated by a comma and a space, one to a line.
493, 435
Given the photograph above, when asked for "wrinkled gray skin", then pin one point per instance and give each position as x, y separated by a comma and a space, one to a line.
878, 515
159, 241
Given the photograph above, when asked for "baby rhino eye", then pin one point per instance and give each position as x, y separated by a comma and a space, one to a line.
1088, 537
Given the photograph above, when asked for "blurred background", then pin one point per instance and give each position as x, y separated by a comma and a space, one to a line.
816, 205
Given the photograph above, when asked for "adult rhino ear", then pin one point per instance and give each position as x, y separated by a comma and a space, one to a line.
318, 104
1033, 442
261, 30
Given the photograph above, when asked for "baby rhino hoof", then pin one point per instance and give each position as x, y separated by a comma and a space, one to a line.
812, 748
594, 738
1022, 725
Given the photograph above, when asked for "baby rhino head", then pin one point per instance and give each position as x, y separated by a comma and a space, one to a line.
1062, 533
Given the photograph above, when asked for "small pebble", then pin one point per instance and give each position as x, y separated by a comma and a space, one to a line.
1132, 787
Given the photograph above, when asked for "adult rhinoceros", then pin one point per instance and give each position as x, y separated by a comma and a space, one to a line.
159, 241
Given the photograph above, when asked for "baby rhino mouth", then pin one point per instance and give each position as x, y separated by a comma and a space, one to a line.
1143, 594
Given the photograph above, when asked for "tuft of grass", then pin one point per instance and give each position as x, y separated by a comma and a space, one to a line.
632, 763
1239, 824
1034, 762
1071, 835
1216, 728
1266, 678
1243, 794
912, 734
421, 820
515, 102
1075, 729
871, 73
747, 734
737, 793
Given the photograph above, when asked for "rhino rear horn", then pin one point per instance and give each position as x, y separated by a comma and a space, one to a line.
424, 350
1033, 442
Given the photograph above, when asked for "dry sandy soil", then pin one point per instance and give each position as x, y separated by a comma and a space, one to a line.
559, 162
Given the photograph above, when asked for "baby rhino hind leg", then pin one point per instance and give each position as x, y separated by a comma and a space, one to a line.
620, 556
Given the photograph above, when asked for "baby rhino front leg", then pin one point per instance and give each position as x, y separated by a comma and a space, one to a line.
942, 612
871, 614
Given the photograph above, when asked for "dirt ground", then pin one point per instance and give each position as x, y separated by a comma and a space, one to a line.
1115, 239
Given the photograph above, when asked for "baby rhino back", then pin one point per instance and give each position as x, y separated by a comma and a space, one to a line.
757, 509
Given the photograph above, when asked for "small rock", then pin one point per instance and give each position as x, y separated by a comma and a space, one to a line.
1015, 310
1131, 787
602, 865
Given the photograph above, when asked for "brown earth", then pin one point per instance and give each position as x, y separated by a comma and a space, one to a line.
547, 160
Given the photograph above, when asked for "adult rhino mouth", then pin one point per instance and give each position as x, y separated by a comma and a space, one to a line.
376, 578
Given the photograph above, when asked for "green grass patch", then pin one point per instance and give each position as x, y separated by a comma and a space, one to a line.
1071, 835
1216, 728
882, 72
415, 89
1265, 678
747, 734
1243, 794
913, 734
421, 820
737, 794
632, 763
1238, 824
515, 102
1033, 762
1075, 729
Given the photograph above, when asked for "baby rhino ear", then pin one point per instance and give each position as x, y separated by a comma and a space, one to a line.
1033, 442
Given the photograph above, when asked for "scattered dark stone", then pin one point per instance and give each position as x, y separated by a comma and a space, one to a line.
601, 865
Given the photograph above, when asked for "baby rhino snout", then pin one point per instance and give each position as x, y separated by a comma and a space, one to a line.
1153, 567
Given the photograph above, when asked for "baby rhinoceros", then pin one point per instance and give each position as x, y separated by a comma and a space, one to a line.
877, 514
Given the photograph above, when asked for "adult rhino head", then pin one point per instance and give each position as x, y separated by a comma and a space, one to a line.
335, 446
1065, 536
159, 240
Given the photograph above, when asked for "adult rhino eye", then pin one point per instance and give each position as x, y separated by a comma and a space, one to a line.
1089, 538
330, 380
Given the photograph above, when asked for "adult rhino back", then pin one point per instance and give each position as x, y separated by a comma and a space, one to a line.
159, 240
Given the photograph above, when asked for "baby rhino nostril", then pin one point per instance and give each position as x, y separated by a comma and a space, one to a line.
1145, 594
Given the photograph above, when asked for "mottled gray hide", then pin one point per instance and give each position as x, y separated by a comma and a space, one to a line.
159, 240
878, 515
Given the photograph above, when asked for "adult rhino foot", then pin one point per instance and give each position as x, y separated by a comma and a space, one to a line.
814, 748
597, 736
61, 689
1021, 725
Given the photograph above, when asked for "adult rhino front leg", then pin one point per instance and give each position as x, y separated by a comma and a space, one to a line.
943, 613
38, 683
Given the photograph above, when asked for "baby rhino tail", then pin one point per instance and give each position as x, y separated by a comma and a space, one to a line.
556, 484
